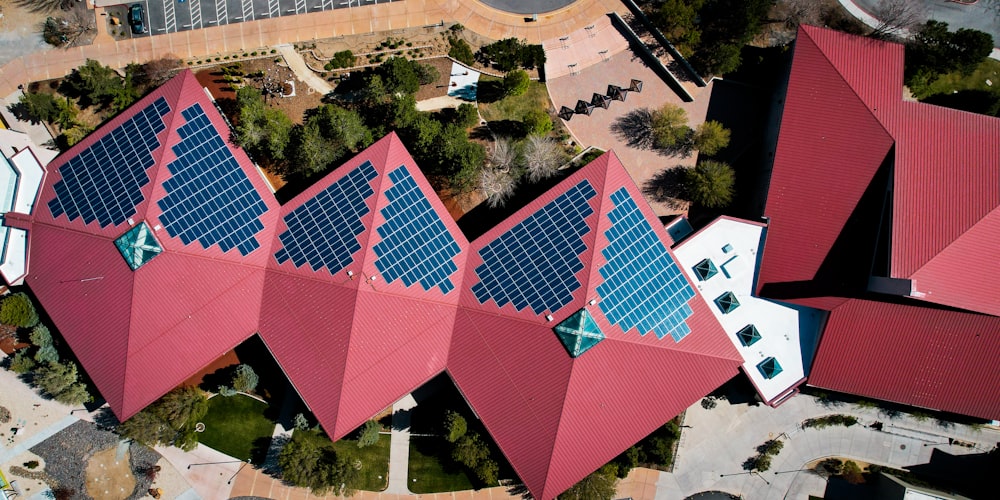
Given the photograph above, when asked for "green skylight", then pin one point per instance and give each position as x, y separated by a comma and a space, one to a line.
578, 333
138, 246
705, 269
769, 368
727, 302
748, 335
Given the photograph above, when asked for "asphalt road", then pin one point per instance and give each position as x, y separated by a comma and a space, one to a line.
169, 16
527, 7
984, 15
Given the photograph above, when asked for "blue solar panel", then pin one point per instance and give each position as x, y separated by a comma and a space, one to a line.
416, 246
209, 197
535, 262
324, 230
104, 181
643, 288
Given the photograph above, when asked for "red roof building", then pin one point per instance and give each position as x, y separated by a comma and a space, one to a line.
879, 210
156, 247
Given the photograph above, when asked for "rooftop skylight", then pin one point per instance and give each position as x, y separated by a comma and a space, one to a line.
748, 335
727, 302
769, 368
578, 333
705, 269
138, 246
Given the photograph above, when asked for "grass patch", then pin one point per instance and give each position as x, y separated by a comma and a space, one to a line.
234, 425
512, 107
950, 82
374, 472
433, 470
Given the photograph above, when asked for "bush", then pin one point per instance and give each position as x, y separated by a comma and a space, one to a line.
710, 184
461, 51
536, 122
852, 473
827, 421
455, 425
31, 464
226, 391
18, 310
21, 362
342, 59
46, 354
369, 434
708, 403
40, 336
510, 53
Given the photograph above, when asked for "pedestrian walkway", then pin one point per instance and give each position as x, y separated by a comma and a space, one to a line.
712, 450
247, 36
399, 446
302, 72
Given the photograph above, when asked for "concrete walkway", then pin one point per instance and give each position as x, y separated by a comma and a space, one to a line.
298, 66
399, 446
37, 437
713, 448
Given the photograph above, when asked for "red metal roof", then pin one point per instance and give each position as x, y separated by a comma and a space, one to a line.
844, 123
352, 345
912, 354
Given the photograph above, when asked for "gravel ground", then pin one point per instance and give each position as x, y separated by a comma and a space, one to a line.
141, 458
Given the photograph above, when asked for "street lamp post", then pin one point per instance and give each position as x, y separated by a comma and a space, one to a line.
216, 463
238, 472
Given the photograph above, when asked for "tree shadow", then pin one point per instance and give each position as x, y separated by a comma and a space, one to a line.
506, 128
666, 186
635, 128
221, 377
490, 91
20, 111
44, 6
405, 415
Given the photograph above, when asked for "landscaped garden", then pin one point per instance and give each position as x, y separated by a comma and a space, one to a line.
236, 426
374, 459
432, 468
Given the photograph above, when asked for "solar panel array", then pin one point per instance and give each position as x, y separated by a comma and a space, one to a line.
324, 230
104, 181
416, 246
209, 197
535, 262
643, 288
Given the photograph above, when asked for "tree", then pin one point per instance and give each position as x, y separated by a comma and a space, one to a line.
504, 54
169, 421
369, 434
635, 128
46, 354
466, 115
94, 82
536, 122
40, 336
678, 21
244, 379
342, 59
312, 152
710, 183
542, 157
599, 485
260, 130
344, 126
461, 51
669, 127
181, 407
770, 447
55, 378
852, 473
717, 58
305, 462
300, 422
18, 310
503, 155
37, 107
710, 137
934, 50
487, 471
455, 425
426, 74
147, 428
400, 76
67, 31
470, 450
75, 394
896, 17
515, 82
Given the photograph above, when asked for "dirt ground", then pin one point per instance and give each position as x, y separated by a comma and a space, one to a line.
108, 478
440, 87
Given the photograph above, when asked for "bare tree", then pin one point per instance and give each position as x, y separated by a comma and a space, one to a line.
497, 185
503, 155
68, 30
542, 157
897, 17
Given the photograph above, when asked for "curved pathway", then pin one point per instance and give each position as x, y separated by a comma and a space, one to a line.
713, 448
250, 36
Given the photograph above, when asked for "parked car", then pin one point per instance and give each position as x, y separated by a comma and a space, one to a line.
135, 19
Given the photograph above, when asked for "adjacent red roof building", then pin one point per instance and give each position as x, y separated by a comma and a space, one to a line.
156, 247
879, 212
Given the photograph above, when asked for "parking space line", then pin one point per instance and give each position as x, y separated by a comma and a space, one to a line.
300, 6
327, 4
169, 16
274, 9
248, 10
221, 12
195, 6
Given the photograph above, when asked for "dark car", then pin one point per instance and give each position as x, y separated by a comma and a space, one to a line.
135, 19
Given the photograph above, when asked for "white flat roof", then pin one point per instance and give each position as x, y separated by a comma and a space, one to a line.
8, 185
15, 255
30, 180
788, 333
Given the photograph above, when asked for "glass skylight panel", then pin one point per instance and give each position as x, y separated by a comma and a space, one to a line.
727, 302
769, 368
578, 333
705, 269
138, 246
104, 182
324, 230
534, 263
748, 335
643, 287
209, 197
416, 246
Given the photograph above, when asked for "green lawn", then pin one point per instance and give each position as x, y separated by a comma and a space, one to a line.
515, 107
374, 472
433, 476
947, 83
234, 425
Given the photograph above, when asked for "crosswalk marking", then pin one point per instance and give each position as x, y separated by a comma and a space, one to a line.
195, 13
170, 18
221, 12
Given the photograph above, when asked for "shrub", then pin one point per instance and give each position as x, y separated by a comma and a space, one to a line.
245, 380
31, 464
300, 422
21, 362
461, 51
852, 473
710, 183
40, 336
536, 122
342, 59
455, 425
17, 309
46, 354
708, 403
827, 421
226, 391
369, 434
516, 82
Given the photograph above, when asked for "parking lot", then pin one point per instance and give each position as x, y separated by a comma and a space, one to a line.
168, 16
